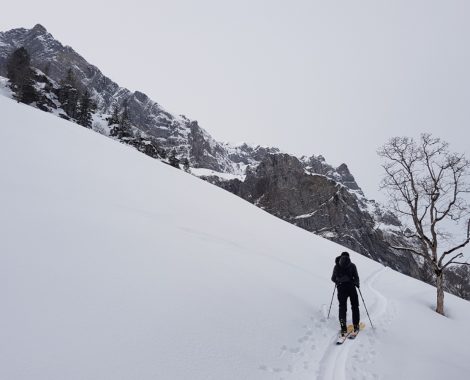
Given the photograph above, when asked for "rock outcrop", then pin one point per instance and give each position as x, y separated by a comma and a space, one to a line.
281, 186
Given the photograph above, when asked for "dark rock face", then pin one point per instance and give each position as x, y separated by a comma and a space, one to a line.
201, 150
280, 186
246, 154
457, 281
317, 165
347, 178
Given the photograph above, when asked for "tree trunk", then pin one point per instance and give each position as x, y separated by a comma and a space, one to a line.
440, 292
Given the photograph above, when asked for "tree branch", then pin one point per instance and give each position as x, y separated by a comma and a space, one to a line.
458, 246
453, 250
451, 261
412, 250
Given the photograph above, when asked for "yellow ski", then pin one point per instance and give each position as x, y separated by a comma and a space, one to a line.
353, 334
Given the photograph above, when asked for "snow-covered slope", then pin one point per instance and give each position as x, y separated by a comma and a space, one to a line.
116, 266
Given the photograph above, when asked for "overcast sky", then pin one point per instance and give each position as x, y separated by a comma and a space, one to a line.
336, 78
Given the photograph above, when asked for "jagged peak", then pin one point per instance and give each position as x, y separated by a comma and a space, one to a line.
39, 29
343, 168
140, 96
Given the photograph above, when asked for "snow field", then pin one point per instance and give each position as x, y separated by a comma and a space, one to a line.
116, 266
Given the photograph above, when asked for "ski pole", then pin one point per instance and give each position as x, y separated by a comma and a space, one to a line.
331, 303
366, 308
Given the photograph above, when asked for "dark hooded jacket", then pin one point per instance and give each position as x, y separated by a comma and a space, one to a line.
345, 271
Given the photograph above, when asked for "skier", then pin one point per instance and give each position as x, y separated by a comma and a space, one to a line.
346, 278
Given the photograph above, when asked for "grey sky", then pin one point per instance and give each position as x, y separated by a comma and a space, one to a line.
336, 78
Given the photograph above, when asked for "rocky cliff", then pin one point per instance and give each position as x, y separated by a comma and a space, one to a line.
282, 186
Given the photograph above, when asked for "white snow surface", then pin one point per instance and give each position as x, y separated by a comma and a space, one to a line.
116, 266
203, 172
4, 89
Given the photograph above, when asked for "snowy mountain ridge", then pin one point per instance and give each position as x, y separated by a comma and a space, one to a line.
169, 130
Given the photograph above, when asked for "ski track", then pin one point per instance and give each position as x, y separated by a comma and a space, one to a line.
351, 359
314, 354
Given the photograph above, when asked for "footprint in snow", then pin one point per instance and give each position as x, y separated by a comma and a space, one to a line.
295, 350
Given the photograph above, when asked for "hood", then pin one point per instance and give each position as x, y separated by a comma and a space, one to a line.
344, 261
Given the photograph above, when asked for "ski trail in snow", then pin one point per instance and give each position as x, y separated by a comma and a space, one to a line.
334, 364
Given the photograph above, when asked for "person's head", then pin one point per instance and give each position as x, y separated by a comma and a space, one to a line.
344, 259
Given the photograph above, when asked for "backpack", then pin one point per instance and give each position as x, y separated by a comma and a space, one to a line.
343, 270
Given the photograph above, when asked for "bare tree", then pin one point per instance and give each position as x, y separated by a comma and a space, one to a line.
426, 184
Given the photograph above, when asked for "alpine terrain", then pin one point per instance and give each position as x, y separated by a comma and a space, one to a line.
304, 191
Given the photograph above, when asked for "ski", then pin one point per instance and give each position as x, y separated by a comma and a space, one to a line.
354, 334
342, 338
350, 334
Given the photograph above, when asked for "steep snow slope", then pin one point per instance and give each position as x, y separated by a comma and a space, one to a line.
116, 266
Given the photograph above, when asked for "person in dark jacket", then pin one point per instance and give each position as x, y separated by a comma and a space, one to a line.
346, 278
